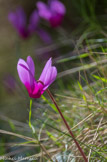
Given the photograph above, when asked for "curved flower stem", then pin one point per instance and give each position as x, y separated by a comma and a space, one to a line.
67, 126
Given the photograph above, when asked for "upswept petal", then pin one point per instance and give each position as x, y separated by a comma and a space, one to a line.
18, 18
44, 35
43, 10
12, 19
21, 17
50, 77
33, 21
45, 70
58, 7
25, 75
31, 65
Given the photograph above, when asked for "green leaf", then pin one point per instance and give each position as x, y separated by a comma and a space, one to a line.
84, 55
11, 125
100, 78
103, 89
80, 86
53, 138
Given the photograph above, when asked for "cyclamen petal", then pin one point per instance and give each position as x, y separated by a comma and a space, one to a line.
25, 75
47, 77
31, 65
33, 21
44, 35
50, 77
18, 18
43, 10
45, 70
53, 75
58, 7
12, 19
21, 17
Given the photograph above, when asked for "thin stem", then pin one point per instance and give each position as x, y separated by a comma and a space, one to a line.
30, 113
66, 124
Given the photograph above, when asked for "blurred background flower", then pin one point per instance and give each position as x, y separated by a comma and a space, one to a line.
19, 21
53, 12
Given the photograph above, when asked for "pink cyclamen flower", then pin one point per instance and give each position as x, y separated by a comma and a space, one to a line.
26, 71
53, 12
19, 22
